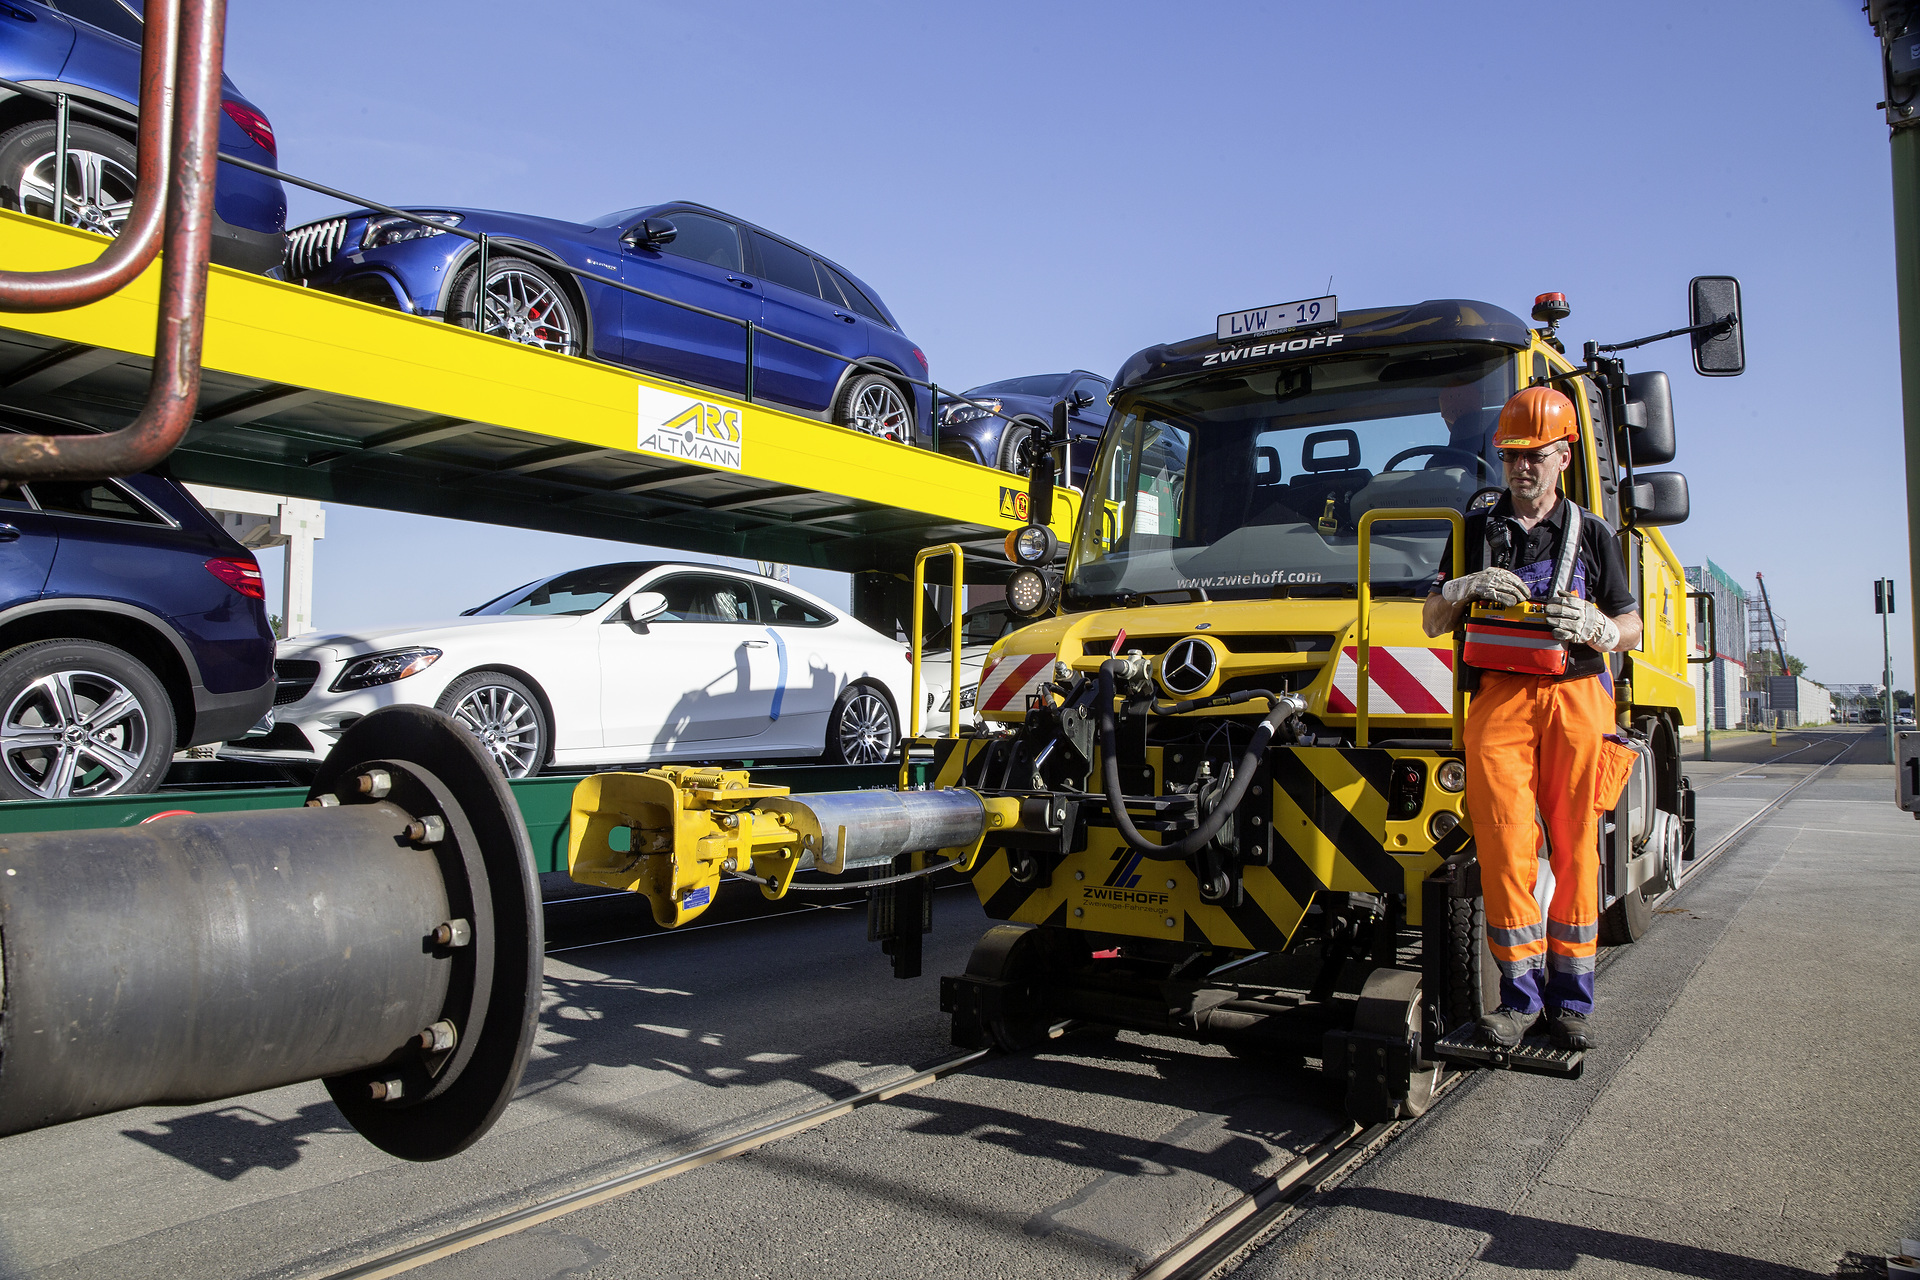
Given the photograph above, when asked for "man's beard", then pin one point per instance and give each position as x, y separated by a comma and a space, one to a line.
1529, 488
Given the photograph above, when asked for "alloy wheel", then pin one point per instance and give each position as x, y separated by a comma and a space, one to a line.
880, 410
73, 734
99, 193
865, 729
506, 725
525, 308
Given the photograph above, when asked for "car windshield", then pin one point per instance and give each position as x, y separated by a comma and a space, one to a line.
618, 216
1039, 384
570, 594
1251, 485
985, 624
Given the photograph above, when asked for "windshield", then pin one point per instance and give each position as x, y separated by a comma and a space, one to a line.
1252, 485
572, 594
1039, 384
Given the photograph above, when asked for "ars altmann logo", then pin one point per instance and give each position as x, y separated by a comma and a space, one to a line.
673, 426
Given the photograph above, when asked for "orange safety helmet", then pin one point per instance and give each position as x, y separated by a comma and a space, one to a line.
1534, 418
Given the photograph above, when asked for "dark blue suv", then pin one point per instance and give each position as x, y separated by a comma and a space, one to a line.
683, 251
90, 51
131, 626
968, 430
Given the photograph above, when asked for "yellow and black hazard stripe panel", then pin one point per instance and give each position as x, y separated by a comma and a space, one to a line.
1331, 832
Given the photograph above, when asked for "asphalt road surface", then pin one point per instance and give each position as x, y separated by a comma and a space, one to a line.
1088, 1158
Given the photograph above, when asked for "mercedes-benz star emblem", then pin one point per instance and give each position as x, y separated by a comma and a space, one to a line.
1188, 666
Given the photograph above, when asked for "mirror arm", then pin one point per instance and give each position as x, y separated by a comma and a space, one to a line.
1712, 328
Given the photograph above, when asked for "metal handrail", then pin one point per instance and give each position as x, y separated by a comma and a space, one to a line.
955, 633
1364, 624
173, 388
139, 239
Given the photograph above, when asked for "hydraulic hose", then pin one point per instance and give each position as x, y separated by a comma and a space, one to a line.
1284, 709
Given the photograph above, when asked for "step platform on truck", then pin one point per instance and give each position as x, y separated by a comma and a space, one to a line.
1465, 1046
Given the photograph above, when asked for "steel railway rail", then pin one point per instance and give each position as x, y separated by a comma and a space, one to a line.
1270, 1208
1242, 1226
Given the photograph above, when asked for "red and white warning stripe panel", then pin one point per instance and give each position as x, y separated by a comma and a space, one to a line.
1006, 681
1400, 681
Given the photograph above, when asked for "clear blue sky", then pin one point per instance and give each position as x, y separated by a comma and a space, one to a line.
1037, 186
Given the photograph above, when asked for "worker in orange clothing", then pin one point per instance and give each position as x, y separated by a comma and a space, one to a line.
1542, 707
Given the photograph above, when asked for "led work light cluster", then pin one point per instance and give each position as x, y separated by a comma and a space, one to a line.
1031, 590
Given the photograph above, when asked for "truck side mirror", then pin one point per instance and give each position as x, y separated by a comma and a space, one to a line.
1716, 300
1040, 477
1656, 498
1649, 424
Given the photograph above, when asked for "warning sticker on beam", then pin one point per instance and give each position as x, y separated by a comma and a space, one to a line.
689, 430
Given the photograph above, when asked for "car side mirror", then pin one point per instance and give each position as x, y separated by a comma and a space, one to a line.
1719, 352
1656, 498
1649, 424
643, 607
651, 233
1081, 399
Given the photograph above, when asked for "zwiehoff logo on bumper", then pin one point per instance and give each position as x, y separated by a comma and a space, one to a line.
1119, 889
688, 430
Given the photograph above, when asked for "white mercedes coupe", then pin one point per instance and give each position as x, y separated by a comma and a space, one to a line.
631, 663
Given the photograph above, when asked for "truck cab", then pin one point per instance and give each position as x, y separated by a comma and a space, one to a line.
1226, 499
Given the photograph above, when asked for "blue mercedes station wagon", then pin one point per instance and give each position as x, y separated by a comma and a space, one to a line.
731, 269
90, 51
131, 626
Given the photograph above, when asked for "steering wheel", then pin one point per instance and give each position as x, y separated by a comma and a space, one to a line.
1460, 457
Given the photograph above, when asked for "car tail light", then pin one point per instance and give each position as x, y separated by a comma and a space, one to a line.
253, 124
241, 573
920, 356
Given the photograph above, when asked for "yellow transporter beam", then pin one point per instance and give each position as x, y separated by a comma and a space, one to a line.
287, 340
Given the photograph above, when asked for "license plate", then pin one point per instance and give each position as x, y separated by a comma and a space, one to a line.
1310, 313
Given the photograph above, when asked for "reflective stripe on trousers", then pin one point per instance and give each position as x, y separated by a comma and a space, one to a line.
1534, 743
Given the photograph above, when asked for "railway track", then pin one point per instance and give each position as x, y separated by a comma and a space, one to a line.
1242, 1226
1266, 1211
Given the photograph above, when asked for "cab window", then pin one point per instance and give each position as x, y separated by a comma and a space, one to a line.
704, 239
706, 597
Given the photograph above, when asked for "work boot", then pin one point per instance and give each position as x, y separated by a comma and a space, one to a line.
1507, 1027
1569, 1030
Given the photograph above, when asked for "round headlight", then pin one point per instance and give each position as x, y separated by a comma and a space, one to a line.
1028, 592
1451, 775
1441, 823
1034, 545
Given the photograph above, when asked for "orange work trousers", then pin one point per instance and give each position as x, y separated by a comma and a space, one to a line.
1534, 742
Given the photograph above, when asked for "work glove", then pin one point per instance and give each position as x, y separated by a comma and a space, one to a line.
1577, 621
1502, 586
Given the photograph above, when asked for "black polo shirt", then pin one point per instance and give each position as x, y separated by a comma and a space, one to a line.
1599, 573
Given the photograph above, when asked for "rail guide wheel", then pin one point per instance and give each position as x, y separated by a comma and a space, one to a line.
1388, 1076
1000, 1000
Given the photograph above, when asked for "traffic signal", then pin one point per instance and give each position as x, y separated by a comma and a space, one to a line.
1883, 595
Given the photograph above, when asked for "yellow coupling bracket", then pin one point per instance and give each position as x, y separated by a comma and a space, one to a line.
672, 833
1002, 812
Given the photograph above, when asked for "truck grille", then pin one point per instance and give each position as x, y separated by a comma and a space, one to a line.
310, 249
293, 677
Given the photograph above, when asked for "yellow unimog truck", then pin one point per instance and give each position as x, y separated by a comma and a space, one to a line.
1218, 787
